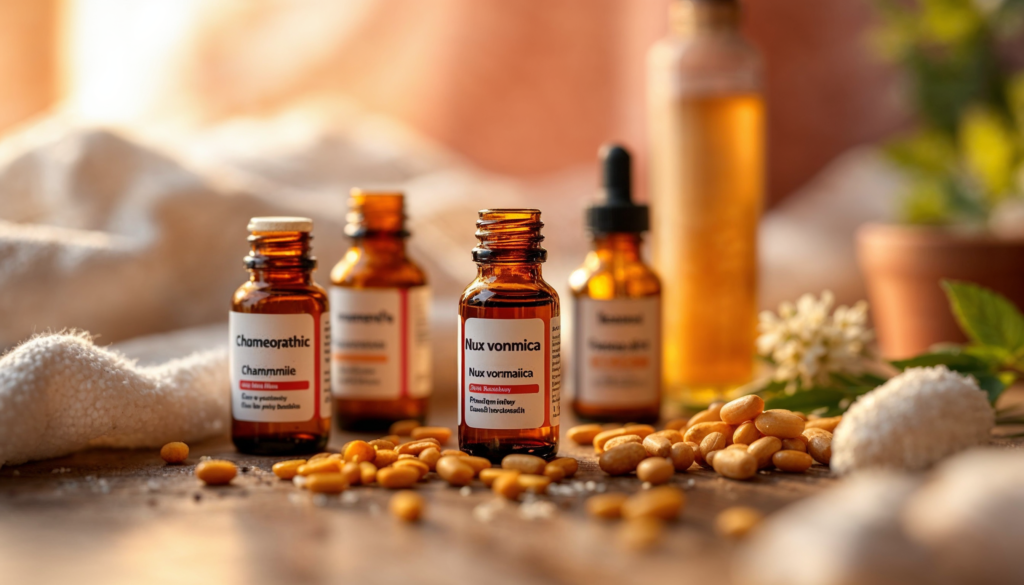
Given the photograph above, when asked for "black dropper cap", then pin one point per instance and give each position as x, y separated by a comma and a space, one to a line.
617, 213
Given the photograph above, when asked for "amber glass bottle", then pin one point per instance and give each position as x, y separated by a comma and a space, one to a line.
616, 308
706, 126
380, 314
280, 339
509, 342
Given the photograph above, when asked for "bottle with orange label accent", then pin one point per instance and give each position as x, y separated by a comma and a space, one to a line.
279, 344
617, 308
380, 355
509, 342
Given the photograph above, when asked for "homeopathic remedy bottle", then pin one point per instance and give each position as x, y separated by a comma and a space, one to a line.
616, 308
706, 126
509, 334
280, 341
380, 313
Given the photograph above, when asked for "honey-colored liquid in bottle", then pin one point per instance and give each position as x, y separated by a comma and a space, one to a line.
509, 343
380, 320
706, 126
279, 343
616, 308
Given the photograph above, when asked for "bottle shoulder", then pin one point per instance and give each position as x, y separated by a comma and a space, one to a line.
599, 280
485, 292
254, 297
357, 270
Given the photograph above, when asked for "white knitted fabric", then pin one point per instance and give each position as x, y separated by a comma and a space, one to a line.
60, 393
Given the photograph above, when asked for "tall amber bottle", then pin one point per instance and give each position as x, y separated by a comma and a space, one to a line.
509, 342
616, 308
380, 301
706, 126
279, 343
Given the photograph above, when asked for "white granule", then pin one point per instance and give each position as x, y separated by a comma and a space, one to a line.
488, 510
537, 510
60, 394
912, 421
465, 491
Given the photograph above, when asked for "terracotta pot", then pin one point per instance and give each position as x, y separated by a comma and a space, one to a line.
902, 267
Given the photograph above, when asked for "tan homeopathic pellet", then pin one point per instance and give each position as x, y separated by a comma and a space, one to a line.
442, 434
288, 469
320, 456
568, 465
622, 459
524, 463
779, 423
357, 451
673, 436
682, 456
407, 505
478, 464
327, 483
604, 436
403, 428
216, 471
379, 444
742, 409
351, 472
794, 445
640, 430
367, 472
640, 534
385, 457
615, 442
826, 424
712, 442
174, 452
737, 521
417, 447
735, 464
453, 453
763, 449
663, 502
507, 486
657, 445
606, 506
536, 484
746, 433
676, 424
697, 432
455, 471
487, 476
583, 434
416, 464
397, 477
819, 445
792, 461
430, 457
655, 470
326, 465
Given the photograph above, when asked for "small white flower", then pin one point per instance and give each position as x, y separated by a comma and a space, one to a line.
808, 341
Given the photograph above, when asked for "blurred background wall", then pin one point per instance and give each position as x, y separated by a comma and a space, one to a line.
522, 88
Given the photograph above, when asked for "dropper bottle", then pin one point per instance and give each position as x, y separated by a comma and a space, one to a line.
616, 307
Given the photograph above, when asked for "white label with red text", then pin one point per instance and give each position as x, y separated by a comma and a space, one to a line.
380, 347
619, 349
509, 373
274, 362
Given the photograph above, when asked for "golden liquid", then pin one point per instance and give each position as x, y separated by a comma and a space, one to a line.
707, 184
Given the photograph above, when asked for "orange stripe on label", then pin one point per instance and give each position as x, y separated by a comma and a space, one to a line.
359, 357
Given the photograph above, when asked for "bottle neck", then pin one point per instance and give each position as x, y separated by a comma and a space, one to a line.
280, 258
700, 17
509, 236
621, 246
526, 272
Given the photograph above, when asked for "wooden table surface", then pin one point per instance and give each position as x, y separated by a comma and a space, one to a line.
123, 516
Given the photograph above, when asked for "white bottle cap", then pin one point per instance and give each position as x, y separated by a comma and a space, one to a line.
280, 224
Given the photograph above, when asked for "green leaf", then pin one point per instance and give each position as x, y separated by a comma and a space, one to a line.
956, 362
986, 317
992, 386
807, 400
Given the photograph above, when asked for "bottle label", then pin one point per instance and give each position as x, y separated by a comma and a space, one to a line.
510, 373
380, 347
619, 345
277, 367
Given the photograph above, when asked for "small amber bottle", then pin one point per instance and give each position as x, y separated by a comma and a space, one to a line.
380, 320
616, 308
509, 342
280, 339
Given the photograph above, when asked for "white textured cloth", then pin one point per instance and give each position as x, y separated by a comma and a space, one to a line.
60, 393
